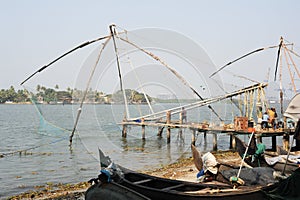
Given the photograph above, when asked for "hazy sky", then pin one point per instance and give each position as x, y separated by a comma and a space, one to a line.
35, 32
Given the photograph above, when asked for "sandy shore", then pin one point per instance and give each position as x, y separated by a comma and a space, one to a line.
183, 169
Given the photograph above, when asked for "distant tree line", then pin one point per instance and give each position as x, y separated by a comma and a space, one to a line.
52, 96
11, 95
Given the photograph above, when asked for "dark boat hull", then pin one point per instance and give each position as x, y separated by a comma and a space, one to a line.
112, 191
160, 188
122, 180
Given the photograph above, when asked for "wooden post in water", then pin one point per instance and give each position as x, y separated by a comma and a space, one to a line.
180, 122
169, 128
194, 136
160, 131
215, 142
124, 131
286, 142
143, 129
274, 143
232, 142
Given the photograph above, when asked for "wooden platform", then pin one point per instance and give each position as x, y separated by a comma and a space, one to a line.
204, 128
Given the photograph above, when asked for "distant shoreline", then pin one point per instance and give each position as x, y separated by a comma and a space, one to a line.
16, 103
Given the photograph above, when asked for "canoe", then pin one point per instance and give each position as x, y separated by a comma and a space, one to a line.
112, 190
153, 187
161, 188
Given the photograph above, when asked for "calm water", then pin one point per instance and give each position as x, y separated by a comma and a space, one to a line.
47, 158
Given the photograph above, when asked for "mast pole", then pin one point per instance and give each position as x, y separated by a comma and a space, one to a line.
278, 56
113, 33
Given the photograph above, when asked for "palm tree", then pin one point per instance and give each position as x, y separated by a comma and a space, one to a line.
38, 88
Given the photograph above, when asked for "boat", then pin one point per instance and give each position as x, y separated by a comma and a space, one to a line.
268, 159
154, 187
112, 190
128, 184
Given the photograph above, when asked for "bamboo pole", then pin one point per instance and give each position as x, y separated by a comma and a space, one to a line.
169, 128
143, 129
215, 142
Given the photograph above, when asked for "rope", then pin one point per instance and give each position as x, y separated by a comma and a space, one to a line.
139, 82
251, 103
248, 54
173, 71
296, 69
290, 73
55, 60
87, 88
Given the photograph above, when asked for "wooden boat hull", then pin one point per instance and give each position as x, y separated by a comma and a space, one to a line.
112, 191
152, 187
144, 186
161, 188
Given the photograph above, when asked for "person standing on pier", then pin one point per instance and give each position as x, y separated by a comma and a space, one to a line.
264, 121
183, 114
271, 113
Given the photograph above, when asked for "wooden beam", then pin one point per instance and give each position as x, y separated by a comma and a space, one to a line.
169, 128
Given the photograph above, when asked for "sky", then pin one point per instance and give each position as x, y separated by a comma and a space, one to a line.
35, 32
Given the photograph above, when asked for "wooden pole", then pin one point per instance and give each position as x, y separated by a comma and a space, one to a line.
215, 142
274, 143
286, 141
124, 131
160, 131
143, 129
194, 137
232, 142
180, 122
169, 128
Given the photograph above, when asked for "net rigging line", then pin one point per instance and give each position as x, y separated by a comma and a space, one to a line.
172, 70
204, 102
139, 81
246, 55
63, 55
44, 125
87, 88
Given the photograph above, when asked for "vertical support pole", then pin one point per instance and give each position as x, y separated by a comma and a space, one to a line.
232, 142
286, 141
124, 131
205, 140
143, 129
215, 142
168, 129
180, 122
194, 136
159, 131
274, 143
